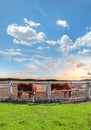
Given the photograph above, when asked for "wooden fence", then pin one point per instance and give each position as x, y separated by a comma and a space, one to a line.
76, 88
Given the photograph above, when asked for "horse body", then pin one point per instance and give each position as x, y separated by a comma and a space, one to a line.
26, 87
62, 86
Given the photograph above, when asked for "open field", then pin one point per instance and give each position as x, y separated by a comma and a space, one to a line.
34, 116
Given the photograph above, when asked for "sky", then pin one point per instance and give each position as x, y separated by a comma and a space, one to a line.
45, 39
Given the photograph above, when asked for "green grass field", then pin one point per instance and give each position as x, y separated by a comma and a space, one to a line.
32, 116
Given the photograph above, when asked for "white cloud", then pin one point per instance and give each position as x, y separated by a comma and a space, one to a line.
11, 52
84, 51
66, 44
84, 40
40, 48
25, 34
52, 42
65, 40
31, 23
62, 23
20, 59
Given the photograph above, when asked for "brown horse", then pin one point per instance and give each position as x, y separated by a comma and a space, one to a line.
62, 86
26, 87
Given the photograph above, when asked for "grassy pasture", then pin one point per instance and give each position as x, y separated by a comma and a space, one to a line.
33, 116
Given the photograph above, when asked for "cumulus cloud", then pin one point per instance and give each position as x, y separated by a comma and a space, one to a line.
62, 23
84, 40
66, 44
25, 34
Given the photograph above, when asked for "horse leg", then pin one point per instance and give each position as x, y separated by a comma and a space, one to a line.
19, 95
65, 94
29, 95
70, 93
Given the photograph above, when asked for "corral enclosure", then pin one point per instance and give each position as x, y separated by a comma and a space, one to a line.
81, 91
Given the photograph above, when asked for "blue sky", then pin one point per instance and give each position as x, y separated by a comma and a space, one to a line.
45, 39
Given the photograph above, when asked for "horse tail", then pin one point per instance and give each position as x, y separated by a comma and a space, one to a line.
35, 89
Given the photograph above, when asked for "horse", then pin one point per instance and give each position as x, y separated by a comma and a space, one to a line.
29, 88
62, 86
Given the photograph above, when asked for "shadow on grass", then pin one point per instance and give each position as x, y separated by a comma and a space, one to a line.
18, 102
29, 102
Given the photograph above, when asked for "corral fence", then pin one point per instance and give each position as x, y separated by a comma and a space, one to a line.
81, 91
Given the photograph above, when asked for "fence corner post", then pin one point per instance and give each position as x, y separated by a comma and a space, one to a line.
49, 92
88, 90
9, 90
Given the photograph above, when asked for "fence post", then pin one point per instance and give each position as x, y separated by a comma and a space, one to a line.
33, 99
49, 92
9, 90
88, 90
